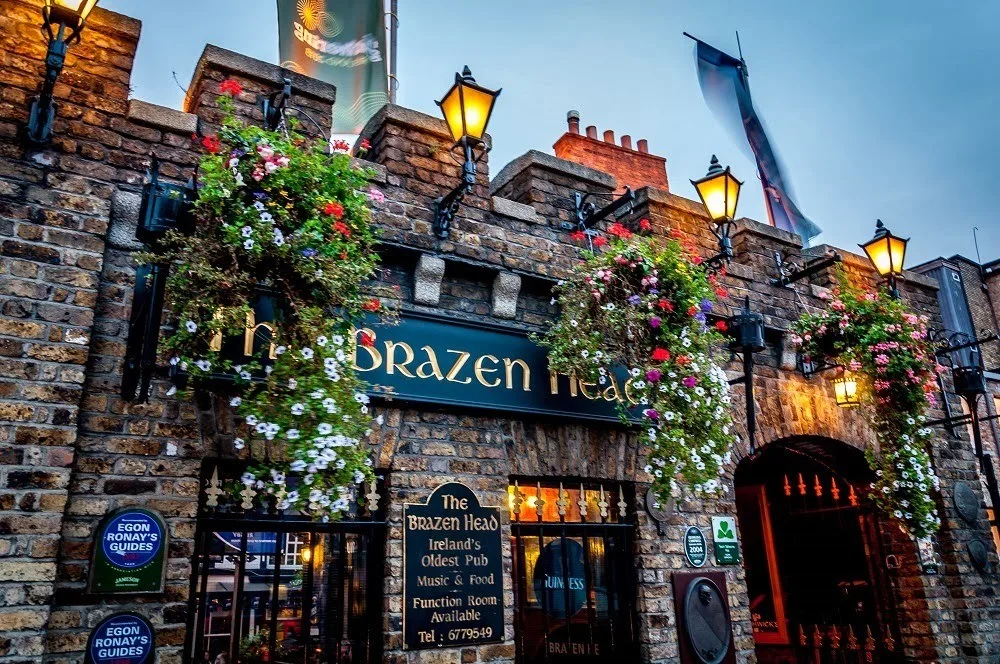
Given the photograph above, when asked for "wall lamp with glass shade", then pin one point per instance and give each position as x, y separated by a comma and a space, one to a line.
845, 387
719, 191
467, 108
63, 22
887, 253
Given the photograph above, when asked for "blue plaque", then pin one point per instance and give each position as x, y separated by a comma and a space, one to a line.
123, 638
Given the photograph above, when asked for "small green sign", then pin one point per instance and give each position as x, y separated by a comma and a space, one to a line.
129, 553
727, 548
695, 548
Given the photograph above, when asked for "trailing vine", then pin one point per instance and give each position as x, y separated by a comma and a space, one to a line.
887, 348
276, 213
644, 304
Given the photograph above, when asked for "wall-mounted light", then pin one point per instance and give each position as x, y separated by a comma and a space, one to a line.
63, 23
746, 329
886, 252
719, 191
845, 388
467, 108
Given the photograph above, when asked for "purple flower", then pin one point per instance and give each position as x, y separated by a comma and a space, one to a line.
690, 381
654, 291
237, 153
651, 414
260, 195
634, 299
706, 305
654, 322
309, 253
653, 375
700, 317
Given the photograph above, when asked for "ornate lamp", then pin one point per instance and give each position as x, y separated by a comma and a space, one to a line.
467, 108
719, 191
64, 21
845, 387
886, 252
746, 330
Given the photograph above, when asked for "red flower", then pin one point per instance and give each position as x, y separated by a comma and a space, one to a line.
683, 359
577, 236
340, 145
676, 234
721, 292
644, 225
231, 87
365, 144
665, 304
721, 326
374, 304
661, 355
342, 228
697, 260
600, 241
618, 230
211, 144
334, 209
692, 310
367, 340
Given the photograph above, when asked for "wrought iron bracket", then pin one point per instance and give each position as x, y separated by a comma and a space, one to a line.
791, 272
43, 109
588, 216
274, 106
446, 207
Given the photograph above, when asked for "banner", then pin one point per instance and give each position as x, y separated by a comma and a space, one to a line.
726, 90
341, 42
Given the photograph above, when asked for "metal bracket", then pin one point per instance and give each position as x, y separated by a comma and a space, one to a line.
274, 106
446, 207
588, 216
790, 272
43, 109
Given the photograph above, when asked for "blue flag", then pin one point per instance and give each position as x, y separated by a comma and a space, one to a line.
726, 90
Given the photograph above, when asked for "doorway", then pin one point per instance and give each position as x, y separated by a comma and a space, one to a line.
815, 568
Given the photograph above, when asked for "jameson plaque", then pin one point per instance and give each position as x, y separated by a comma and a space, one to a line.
129, 553
727, 548
695, 548
453, 571
123, 638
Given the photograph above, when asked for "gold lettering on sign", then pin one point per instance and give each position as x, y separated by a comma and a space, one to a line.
509, 365
373, 354
390, 358
480, 370
430, 368
612, 393
463, 357
251, 331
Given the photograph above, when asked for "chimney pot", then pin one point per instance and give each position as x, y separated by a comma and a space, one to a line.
627, 142
592, 131
573, 118
643, 146
609, 136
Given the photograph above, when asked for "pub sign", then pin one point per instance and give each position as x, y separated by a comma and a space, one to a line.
122, 638
129, 553
452, 571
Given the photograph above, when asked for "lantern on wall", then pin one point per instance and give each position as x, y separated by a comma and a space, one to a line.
886, 253
845, 387
719, 192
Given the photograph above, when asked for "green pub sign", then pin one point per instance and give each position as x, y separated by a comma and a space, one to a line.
727, 548
129, 553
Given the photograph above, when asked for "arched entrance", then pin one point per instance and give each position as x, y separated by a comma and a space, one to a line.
814, 561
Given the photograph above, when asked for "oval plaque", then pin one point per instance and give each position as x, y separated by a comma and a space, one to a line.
122, 638
966, 503
978, 554
705, 621
695, 548
129, 553
657, 511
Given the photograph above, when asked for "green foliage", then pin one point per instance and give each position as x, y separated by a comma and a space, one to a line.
277, 213
643, 305
887, 348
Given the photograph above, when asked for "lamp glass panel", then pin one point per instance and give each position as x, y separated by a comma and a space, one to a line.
81, 8
478, 104
732, 195
847, 392
879, 254
713, 194
451, 107
897, 253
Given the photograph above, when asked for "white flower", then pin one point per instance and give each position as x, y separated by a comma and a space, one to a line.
338, 340
172, 391
292, 434
321, 340
573, 323
259, 206
585, 353
203, 365
248, 244
191, 327
280, 350
324, 428
239, 443
278, 237
266, 217
248, 478
359, 477
246, 231
235, 401
298, 408
307, 353
379, 420
292, 383
297, 466
252, 420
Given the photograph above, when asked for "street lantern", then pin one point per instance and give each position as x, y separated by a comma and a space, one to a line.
467, 108
719, 191
887, 253
845, 387
64, 21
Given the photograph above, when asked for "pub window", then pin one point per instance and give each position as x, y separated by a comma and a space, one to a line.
574, 585
275, 586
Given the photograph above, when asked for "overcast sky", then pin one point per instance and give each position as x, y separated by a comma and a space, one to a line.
879, 109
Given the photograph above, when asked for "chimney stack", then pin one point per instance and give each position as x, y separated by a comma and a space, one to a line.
573, 118
632, 166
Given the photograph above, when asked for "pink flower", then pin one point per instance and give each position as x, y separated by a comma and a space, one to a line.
653, 375
651, 414
854, 365
690, 381
882, 359
376, 196
837, 305
265, 151
654, 322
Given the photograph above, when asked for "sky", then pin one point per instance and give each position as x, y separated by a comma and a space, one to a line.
883, 109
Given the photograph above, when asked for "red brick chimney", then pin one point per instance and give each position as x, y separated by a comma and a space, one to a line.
634, 168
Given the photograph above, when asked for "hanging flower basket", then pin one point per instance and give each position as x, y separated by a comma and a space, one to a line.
280, 223
886, 348
645, 305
